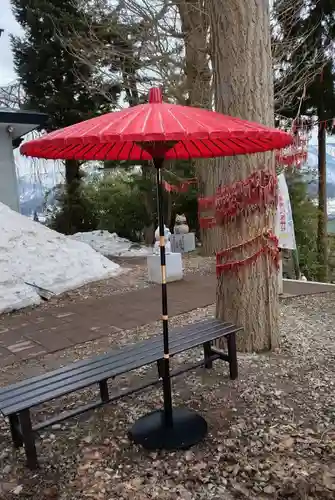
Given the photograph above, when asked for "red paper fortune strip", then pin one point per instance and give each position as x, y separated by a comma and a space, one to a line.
270, 246
206, 203
207, 222
296, 154
258, 191
181, 188
293, 159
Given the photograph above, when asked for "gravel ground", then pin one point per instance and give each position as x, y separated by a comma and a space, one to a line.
271, 433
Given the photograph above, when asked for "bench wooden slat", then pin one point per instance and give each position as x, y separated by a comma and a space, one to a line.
101, 360
119, 357
33, 398
17, 400
149, 353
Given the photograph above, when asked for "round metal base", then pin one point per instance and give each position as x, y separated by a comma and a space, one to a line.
150, 431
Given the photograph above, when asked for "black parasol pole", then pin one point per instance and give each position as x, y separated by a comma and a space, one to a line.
168, 428
165, 319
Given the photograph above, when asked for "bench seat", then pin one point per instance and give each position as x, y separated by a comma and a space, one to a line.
17, 399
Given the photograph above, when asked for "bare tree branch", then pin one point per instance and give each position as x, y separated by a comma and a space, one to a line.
291, 79
133, 44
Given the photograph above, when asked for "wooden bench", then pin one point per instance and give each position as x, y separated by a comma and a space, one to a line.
16, 400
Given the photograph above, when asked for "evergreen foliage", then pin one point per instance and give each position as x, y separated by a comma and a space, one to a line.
313, 24
55, 82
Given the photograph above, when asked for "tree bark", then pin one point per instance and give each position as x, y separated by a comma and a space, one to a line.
195, 29
149, 228
72, 171
243, 86
194, 23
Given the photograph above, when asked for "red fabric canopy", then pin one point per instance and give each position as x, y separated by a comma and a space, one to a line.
159, 130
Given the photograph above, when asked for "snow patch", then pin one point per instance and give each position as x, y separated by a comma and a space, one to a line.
15, 294
112, 245
33, 258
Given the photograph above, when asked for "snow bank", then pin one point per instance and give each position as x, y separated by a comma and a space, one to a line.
14, 293
110, 244
35, 260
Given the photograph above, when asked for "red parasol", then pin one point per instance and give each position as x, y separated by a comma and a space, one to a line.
158, 131
154, 130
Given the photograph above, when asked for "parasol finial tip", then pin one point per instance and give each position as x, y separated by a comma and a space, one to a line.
155, 95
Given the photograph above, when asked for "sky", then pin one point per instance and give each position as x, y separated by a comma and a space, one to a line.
8, 23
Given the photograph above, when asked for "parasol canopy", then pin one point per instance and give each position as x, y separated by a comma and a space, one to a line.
157, 130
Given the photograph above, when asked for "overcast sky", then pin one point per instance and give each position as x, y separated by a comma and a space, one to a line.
8, 23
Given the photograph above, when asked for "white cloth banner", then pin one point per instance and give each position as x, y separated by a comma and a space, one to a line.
284, 220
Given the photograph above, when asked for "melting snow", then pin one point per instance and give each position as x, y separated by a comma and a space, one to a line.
112, 245
34, 261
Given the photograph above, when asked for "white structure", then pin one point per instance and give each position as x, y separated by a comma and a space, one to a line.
284, 228
167, 236
174, 264
174, 268
13, 125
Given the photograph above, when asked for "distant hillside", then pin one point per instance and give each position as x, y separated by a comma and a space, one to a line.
33, 196
313, 189
312, 160
312, 163
331, 226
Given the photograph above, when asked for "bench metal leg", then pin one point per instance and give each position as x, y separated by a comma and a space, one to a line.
104, 394
15, 430
231, 340
160, 368
207, 355
28, 438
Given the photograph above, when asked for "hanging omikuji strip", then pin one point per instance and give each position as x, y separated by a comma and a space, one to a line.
256, 192
266, 243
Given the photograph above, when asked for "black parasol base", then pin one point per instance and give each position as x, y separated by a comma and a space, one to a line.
151, 431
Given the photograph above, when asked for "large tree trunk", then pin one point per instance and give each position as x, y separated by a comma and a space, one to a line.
148, 180
194, 23
72, 171
195, 28
243, 85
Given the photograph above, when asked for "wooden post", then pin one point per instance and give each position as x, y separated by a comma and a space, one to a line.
280, 275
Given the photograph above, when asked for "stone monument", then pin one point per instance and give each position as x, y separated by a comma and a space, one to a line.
182, 241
